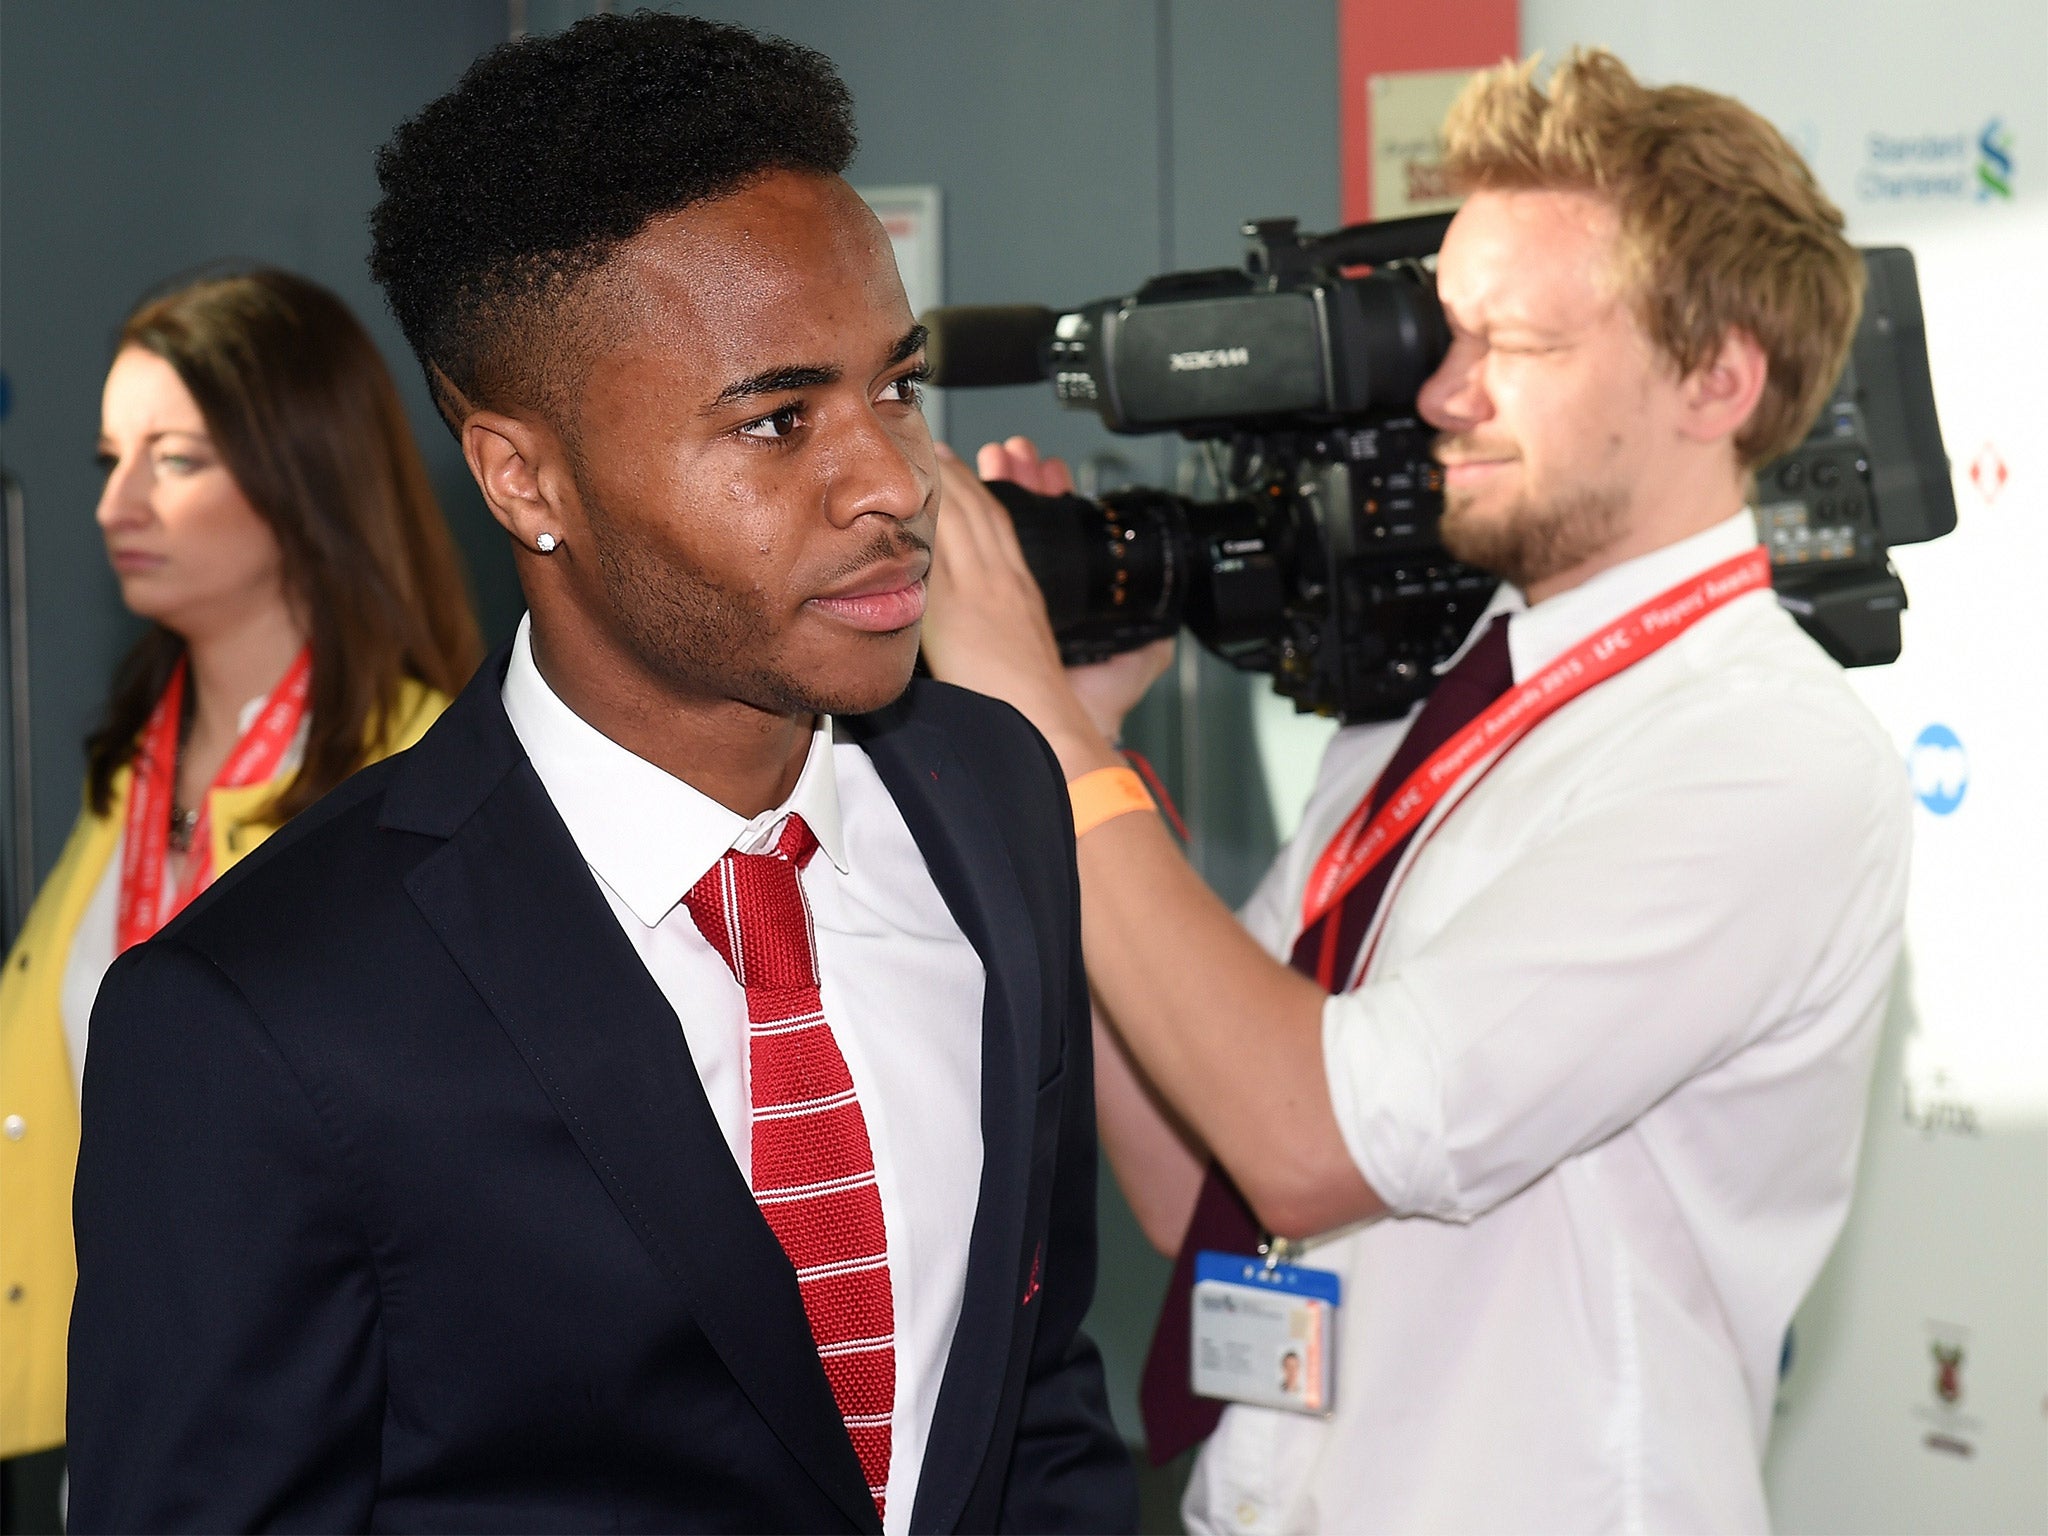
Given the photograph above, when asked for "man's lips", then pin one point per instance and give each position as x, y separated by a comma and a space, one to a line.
882, 599
1470, 471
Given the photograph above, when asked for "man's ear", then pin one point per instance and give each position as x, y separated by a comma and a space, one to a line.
1721, 394
520, 466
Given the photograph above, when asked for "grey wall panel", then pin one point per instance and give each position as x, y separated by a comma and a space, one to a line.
139, 140
1251, 98
1254, 102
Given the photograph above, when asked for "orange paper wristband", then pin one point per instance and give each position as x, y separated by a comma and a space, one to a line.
1106, 794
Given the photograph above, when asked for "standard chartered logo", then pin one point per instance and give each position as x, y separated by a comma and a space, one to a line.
1994, 161
1939, 768
1938, 166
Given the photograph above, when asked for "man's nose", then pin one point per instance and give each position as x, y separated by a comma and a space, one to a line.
886, 468
1454, 398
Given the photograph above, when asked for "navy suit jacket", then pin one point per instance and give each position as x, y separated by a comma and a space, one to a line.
400, 1205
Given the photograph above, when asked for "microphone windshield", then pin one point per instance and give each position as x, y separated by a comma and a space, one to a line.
973, 346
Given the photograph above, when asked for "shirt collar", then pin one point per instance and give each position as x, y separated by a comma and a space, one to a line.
644, 832
1539, 635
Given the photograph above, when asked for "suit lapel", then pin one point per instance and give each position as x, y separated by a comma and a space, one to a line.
520, 913
954, 826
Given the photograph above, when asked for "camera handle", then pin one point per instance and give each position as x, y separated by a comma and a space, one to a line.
1280, 251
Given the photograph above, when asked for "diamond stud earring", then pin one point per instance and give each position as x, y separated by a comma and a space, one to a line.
546, 543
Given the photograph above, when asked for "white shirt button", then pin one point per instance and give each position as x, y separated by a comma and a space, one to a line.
1247, 1512
15, 1127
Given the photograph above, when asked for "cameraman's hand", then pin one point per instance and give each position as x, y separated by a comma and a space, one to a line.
1108, 690
1174, 973
986, 626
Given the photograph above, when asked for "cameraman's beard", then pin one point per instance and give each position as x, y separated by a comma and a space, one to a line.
1534, 541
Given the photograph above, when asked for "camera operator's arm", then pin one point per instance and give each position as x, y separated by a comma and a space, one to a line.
1230, 1036
1158, 1161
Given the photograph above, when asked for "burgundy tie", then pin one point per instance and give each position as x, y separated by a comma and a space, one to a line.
814, 1169
1175, 1418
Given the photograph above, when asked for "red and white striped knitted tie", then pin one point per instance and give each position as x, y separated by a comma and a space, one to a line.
814, 1169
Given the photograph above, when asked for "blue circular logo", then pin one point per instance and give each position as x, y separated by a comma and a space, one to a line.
1940, 769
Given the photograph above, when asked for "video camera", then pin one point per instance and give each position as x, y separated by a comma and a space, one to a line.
1321, 564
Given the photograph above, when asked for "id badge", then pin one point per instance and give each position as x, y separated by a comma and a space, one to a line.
1264, 1333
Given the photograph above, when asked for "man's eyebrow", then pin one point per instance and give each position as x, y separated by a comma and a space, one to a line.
912, 343
776, 381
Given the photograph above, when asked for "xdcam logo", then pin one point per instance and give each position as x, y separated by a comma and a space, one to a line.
1969, 164
1213, 357
1939, 768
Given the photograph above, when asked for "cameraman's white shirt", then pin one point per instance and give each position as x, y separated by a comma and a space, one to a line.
1609, 1069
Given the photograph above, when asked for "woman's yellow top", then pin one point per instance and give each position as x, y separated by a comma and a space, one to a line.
38, 1107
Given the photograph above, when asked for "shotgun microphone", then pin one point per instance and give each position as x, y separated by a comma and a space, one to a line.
974, 346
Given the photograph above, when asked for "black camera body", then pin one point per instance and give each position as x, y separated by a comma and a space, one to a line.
1321, 564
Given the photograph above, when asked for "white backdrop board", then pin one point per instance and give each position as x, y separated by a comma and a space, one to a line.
1916, 1397
913, 218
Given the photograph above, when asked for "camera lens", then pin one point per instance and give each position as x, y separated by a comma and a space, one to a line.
1113, 577
1140, 563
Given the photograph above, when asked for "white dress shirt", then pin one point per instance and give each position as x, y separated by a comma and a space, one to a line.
1608, 1072
902, 990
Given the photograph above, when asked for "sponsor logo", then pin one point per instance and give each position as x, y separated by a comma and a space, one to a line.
1940, 770
1948, 1372
1934, 1109
1966, 165
1946, 1429
1212, 357
1988, 472
1994, 162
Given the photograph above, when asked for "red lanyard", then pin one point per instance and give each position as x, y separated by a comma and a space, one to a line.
145, 851
1360, 845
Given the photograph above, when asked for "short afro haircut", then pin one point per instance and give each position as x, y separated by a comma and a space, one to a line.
503, 196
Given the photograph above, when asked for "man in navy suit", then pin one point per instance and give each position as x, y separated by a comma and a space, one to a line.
661, 1100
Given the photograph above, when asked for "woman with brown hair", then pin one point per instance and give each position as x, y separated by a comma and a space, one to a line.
267, 511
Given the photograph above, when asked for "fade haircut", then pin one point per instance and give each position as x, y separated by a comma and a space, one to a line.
1722, 225
504, 199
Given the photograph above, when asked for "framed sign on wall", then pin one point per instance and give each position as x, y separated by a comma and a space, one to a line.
912, 216
1399, 67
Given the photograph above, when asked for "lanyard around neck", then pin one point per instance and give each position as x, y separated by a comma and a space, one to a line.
145, 905
1367, 837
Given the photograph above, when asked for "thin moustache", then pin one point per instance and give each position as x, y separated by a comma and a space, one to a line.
1450, 451
889, 575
